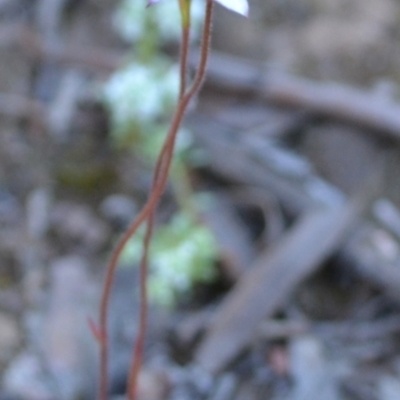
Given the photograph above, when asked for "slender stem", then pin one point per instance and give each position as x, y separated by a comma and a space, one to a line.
137, 357
184, 59
150, 205
138, 350
205, 47
144, 306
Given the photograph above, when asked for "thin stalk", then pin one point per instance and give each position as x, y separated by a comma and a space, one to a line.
138, 350
185, 10
137, 357
144, 307
184, 59
149, 207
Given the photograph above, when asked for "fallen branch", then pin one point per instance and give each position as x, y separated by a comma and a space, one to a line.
87, 57
275, 274
337, 101
295, 196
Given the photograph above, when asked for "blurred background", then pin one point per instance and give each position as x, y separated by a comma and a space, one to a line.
275, 265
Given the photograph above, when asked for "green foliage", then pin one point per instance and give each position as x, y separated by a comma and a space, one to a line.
140, 98
183, 251
182, 254
138, 115
142, 94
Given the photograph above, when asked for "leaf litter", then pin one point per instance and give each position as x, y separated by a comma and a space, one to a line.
310, 309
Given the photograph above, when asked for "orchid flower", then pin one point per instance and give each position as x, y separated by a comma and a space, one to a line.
238, 6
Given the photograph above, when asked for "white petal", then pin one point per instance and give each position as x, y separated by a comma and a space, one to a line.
239, 6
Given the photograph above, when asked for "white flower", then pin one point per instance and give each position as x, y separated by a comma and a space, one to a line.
239, 6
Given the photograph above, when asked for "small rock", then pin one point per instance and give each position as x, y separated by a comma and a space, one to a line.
66, 343
313, 372
152, 385
389, 388
25, 378
190, 382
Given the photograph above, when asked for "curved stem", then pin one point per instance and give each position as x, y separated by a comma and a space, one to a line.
165, 159
144, 306
138, 350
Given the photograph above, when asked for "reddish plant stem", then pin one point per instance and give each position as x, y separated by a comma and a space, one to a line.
144, 306
164, 163
138, 350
